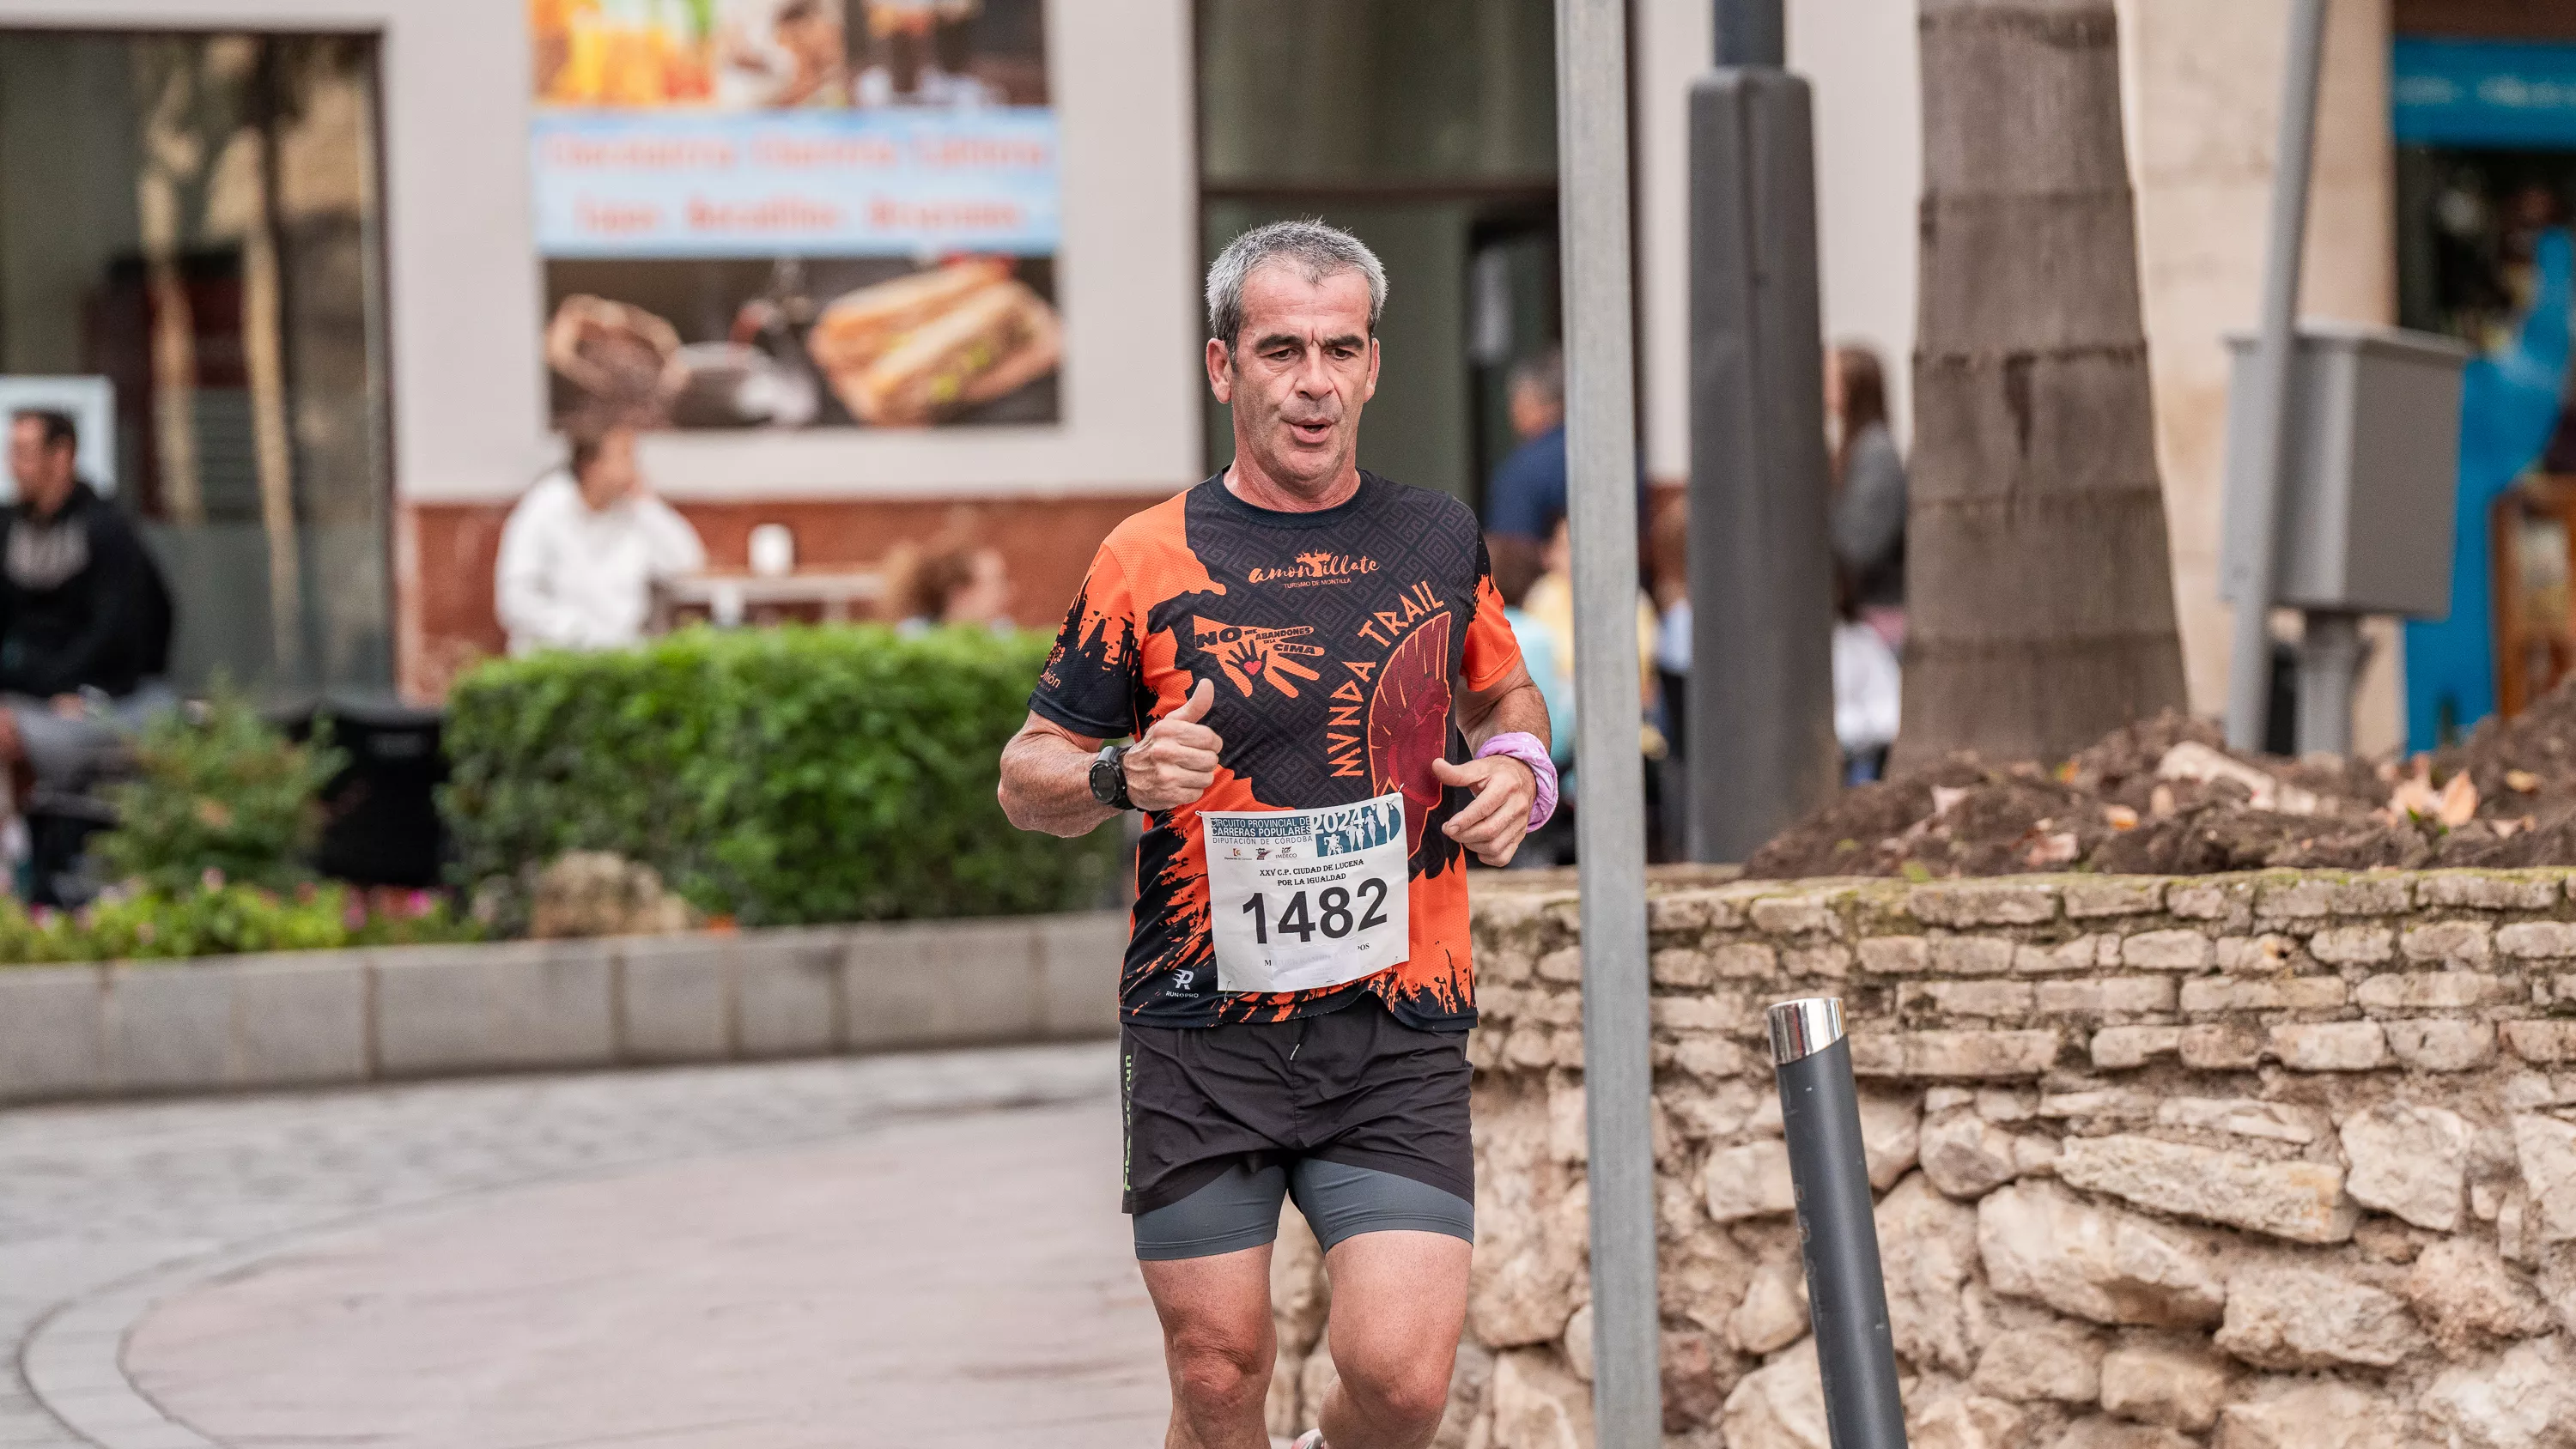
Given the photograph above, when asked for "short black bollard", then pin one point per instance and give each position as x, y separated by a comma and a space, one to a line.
1846, 1296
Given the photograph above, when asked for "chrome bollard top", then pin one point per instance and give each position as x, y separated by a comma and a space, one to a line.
1804, 1027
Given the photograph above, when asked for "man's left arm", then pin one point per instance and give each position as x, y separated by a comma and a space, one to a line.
1493, 823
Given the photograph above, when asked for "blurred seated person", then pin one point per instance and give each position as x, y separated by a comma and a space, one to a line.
1525, 499
84, 612
952, 584
584, 548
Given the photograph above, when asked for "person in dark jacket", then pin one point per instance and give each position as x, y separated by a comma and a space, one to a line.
84, 613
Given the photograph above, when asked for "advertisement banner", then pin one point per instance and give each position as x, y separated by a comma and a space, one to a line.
797, 213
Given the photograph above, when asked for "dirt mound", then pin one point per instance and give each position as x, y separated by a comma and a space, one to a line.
2165, 797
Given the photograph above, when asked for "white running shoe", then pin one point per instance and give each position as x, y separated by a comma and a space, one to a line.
1311, 1439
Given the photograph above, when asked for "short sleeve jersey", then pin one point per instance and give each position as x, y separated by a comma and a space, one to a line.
1333, 639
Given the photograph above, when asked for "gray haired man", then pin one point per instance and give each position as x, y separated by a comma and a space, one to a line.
1330, 717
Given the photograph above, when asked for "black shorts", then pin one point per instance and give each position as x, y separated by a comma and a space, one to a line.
1354, 1087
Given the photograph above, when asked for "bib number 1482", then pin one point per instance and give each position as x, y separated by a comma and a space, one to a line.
1332, 914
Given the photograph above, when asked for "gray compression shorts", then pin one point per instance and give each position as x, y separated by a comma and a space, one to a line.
1240, 1209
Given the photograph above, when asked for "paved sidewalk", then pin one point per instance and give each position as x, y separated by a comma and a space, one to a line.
917, 1250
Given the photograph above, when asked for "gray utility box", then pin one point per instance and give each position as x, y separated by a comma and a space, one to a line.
2372, 469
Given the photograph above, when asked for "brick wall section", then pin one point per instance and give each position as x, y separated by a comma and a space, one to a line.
2250, 1162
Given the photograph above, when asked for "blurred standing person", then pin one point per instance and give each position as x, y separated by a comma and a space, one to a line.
1868, 518
1526, 495
956, 584
584, 548
1668, 561
1868, 533
1525, 499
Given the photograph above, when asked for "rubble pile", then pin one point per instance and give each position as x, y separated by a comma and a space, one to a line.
2164, 797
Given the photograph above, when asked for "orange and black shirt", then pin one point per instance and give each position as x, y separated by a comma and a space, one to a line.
1332, 638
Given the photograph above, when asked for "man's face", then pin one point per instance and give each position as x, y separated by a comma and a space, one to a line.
1533, 411
1300, 371
44, 472
611, 475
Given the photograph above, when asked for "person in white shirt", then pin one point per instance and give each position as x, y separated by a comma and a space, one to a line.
582, 551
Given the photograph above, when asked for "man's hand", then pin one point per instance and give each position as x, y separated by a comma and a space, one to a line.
1176, 760
1494, 822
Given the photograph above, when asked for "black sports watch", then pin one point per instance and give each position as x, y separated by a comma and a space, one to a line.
1109, 778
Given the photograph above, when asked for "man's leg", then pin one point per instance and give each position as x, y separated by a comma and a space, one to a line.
1399, 1301
1218, 1345
1396, 1251
1206, 1262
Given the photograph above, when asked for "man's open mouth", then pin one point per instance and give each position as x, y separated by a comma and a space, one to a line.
1310, 433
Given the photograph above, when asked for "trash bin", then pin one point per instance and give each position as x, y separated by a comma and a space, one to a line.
380, 813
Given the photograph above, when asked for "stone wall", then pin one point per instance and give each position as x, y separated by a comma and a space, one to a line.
2254, 1162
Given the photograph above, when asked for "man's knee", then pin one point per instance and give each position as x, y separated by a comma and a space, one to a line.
1214, 1370
1412, 1389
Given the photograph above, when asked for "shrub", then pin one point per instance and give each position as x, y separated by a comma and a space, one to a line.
218, 789
777, 776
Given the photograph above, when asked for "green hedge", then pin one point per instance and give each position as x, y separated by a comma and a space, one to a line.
777, 776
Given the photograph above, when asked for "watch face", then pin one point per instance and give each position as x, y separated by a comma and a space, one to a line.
1104, 781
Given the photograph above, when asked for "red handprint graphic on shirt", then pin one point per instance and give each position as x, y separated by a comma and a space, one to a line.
1249, 655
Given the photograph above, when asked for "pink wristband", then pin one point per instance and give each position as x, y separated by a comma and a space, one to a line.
1524, 747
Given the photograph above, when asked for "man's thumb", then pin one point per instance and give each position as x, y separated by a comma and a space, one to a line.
1195, 708
1449, 774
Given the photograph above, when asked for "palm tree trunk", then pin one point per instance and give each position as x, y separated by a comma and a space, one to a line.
2041, 592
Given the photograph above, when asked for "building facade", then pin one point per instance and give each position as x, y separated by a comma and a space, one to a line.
328, 253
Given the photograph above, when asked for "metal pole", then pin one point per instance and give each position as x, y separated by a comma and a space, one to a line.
1837, 1234
1761, 750
1610, 824
1752, 32
2249, 664
2329, 657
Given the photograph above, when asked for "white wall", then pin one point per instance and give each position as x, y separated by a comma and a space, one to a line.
465, 296
1862, 59
2202, 80
1859, 55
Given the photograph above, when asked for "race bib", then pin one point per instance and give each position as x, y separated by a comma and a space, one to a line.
1305, 898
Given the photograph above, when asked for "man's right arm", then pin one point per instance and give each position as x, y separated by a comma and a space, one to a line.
1046, 769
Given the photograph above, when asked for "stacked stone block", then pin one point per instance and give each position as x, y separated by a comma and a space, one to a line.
2258, 1162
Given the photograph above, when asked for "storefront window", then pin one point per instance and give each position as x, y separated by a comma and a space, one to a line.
194, 219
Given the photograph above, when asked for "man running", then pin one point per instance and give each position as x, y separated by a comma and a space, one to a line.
1329, 713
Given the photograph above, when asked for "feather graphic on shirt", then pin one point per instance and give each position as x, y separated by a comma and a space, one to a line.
1408, 723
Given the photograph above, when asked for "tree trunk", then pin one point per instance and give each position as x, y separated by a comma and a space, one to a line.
2040, 591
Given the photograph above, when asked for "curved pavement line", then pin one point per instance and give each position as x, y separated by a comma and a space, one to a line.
73, 1360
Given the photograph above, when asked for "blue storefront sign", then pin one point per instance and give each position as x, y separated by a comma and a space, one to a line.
2514, 95
847, 183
